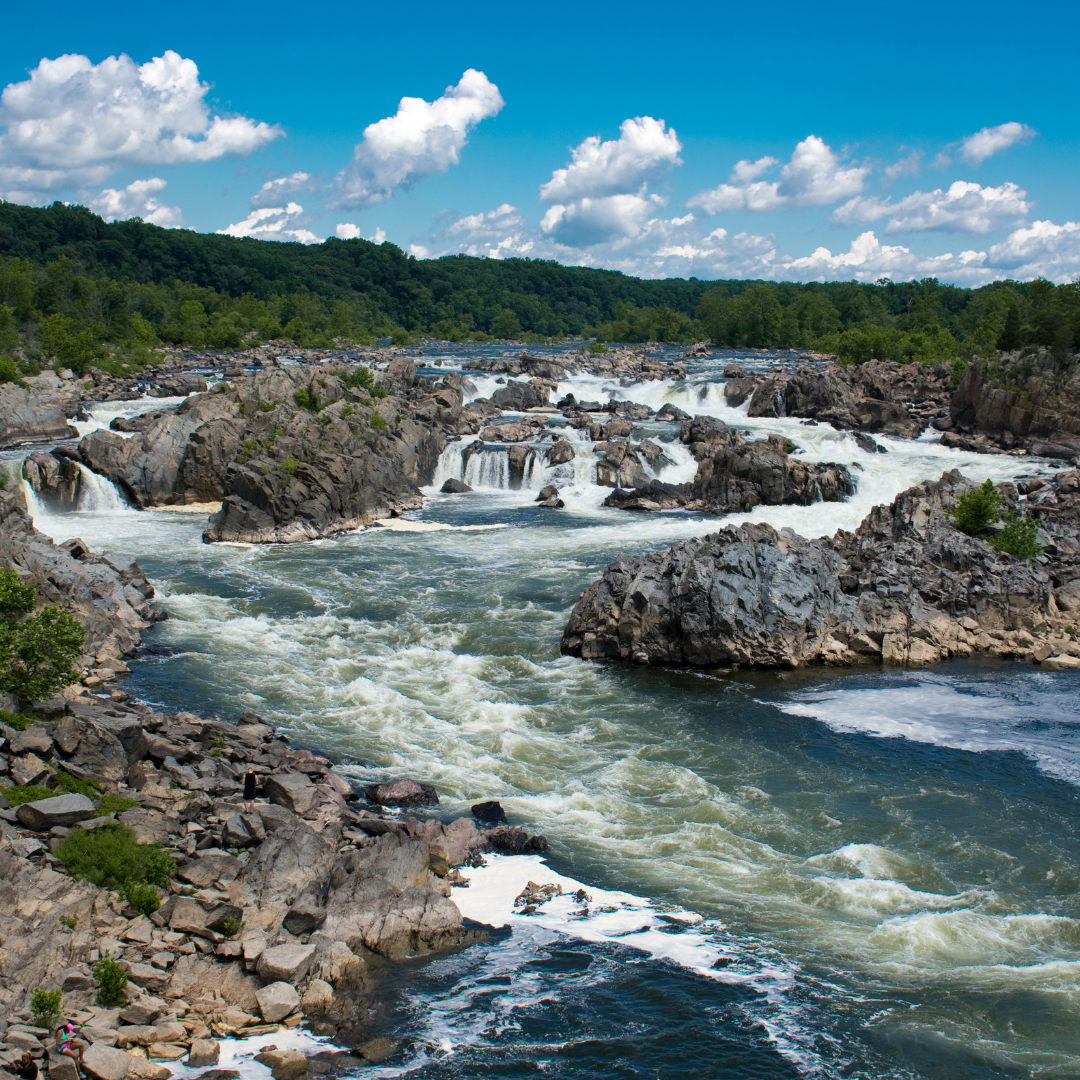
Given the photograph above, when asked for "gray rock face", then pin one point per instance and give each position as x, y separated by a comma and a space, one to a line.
455, 487
294, 791
1031, 409
277, 1001
56, 481
91, 586
518, 397
733, 475
403, 793
60, 810
906, 587
208, 869
285, 963
897, 399
24, 420
513, 432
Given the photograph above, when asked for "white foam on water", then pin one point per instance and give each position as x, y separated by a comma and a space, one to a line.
101, 414
937, 710
239, 1054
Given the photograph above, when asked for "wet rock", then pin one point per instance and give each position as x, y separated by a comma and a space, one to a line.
455, 487
56, 481
514, 841
284, 1064
515, 432
671, 412
549, 498
561, 452
403, 793
519, 397
203, 1052
276, 1001
489, 811
866, 444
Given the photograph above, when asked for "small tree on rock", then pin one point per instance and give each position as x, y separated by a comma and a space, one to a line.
39, 652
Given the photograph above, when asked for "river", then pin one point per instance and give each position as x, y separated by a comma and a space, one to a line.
869, 872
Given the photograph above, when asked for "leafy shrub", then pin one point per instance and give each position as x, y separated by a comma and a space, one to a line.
70, 921
324, 421
378, 423
38, 652
111, 980
24, 793
45, 1006
20, 722
957, 369
73, 785
110, 857
143, 898
1018, 537
232, 926
347, 410
246, 451
9, 372
268, 406
114, 804
287, 469
363, 379
976, 511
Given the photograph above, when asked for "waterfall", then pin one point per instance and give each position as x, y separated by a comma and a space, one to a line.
99, 496
488, 469
37, 510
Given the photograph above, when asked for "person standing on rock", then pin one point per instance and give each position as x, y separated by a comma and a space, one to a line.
250, 782
69, 1045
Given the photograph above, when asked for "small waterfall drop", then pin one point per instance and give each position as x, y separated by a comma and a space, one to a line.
97, 495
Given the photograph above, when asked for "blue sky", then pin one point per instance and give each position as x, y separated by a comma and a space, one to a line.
791, 141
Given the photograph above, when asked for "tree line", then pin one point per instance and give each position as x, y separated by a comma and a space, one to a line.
77, 291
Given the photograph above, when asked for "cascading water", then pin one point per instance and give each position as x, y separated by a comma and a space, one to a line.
98, 495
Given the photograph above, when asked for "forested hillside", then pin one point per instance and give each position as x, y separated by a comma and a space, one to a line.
78, 291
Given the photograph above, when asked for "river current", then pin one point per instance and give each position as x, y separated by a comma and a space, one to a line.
869, 872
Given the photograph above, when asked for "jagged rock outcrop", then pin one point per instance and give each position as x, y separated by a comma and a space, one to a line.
895, 399
24, 419
1019, 402
56, 481
905, 587
107, 593
733, 475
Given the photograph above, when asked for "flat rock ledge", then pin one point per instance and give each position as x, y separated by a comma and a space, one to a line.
905, 588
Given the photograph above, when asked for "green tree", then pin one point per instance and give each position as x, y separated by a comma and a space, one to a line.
977, 510
505, 325
1017, 537
1009, 338
39, 652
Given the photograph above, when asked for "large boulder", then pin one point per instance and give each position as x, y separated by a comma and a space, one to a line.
277, 1001
294, 791
23, 420
205, 871
63, 810
285, 963
405, 792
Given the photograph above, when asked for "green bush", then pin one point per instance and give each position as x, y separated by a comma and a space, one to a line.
110, 857
70, 921
39, 652
268, 406
45, 1006
232, 926
114, 804
1018, 537
73, 785
976, 511
287, 469
111, 980
20, 722
377, 422
362, 378
24, 793
143, 898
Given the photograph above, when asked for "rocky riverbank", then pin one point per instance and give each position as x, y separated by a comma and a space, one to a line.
286, 915
905, 588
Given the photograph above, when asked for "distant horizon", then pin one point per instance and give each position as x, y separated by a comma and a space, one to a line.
843, 145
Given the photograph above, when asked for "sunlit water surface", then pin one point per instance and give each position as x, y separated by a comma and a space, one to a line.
861, 873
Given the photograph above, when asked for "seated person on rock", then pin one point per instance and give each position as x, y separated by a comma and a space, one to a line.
69, 1045
27, 1068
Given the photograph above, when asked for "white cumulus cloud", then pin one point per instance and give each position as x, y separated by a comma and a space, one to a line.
421, 139
138, 199
275, 192
990, 140
815, 176
276, 223
868, 259
1041, 249
643, 152
348, 231
965, 207
603, 193
77, 122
